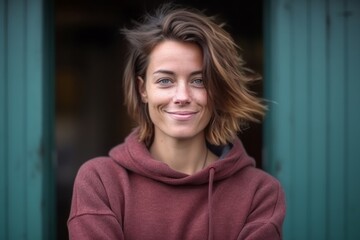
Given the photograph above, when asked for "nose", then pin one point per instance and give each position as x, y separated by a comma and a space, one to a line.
182, 94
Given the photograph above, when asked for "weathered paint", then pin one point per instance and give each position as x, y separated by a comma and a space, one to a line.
312, 84
26, 162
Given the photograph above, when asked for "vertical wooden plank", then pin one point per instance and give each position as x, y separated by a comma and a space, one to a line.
278, 92
353, 117
317, 105
3, 122
300, 109
34, 114
336, 121
26, 145
16, 118
321, 183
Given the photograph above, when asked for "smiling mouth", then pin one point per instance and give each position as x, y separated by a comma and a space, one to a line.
182, 115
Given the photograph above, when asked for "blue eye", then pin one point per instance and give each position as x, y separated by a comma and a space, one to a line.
198, 82
164, 81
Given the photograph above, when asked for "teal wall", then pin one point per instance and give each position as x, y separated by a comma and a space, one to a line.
312, 82
26, 121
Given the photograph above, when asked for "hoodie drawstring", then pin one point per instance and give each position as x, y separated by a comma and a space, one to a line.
211, 181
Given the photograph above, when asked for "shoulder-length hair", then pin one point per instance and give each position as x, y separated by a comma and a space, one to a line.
226, 81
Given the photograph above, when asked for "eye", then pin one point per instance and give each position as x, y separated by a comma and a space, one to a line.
164, 81
198, 82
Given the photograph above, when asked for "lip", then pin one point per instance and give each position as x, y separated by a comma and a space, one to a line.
181, 115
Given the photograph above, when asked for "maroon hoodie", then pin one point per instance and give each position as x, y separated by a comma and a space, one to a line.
132, 196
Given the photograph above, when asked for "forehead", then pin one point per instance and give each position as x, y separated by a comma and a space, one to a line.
176, 55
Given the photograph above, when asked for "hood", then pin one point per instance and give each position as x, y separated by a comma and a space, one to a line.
134, 156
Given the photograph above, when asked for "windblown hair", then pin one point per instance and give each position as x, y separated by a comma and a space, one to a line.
226, 81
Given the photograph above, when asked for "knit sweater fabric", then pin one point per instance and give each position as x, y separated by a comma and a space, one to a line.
129, 195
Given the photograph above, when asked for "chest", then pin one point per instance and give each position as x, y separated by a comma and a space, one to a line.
154, 210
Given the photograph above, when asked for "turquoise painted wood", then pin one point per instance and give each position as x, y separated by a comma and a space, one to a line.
3, 123
26, 110
311, 132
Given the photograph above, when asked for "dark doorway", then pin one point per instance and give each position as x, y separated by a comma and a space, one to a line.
90, 116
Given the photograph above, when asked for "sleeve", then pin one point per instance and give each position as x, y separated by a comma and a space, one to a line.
268, 212
91, 216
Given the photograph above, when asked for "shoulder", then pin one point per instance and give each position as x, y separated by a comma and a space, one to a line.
101, 180
94, 192
268, 185
260, 187
267, 190
100, 170
96, 164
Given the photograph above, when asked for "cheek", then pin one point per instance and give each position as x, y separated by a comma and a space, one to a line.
153, 112
201, 98
157, 98
205, 102
155, 105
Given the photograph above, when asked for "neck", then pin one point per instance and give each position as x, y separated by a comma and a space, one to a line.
186, 156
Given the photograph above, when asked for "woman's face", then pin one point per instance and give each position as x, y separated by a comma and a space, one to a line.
174, 91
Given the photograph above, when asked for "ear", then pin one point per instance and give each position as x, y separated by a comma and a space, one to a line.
142, 89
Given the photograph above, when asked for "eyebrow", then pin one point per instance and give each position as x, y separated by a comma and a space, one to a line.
172, 73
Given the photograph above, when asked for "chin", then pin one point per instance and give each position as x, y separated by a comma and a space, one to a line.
183, 134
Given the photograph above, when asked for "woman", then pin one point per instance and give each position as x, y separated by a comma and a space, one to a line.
182, 173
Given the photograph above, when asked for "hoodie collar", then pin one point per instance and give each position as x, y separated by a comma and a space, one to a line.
134, 156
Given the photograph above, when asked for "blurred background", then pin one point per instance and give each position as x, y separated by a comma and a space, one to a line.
90, 115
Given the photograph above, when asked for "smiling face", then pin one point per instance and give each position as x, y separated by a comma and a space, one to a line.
174, 91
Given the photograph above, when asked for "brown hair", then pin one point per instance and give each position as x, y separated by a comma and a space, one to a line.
224, 73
